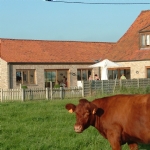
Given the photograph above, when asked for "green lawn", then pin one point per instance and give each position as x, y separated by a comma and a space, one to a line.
45, 125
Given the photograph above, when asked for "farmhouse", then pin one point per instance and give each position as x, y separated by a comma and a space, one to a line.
37, 62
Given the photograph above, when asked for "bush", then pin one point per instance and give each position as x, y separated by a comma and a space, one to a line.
57, 86
147, 89
24, 87
134, 90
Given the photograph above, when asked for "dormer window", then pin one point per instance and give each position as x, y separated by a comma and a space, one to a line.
145, 37
145, 40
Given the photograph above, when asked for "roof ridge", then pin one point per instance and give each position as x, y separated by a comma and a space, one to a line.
145, 10
55, 41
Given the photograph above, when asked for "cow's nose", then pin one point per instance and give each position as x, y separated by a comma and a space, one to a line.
78, 128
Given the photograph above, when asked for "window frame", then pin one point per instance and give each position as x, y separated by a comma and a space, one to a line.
83, 74
145, 40
147, 72
55, 76
25, 76
114, 73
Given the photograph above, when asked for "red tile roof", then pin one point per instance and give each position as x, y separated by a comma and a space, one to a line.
38, 51
52, 51
127, 48
145, 29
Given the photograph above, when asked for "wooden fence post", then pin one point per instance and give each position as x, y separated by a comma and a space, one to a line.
102, 86
20, 86
51, 90
1, 95
138, 83
90, 87
61, 92
114, 86
82, 88
47, 93
22, 94
120, 84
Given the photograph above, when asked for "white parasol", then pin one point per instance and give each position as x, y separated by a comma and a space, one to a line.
105, 64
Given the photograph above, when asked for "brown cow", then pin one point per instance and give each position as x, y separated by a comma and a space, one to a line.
120, 119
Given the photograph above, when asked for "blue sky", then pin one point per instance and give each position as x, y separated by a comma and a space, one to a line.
40, 20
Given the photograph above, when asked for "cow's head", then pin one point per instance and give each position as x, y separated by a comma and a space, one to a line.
85, 114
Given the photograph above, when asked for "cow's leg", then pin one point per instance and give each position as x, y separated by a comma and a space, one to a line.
114, 139
133, 146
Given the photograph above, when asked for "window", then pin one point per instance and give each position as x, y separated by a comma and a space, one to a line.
25, 76
56, 77
83, 74
116, 73
145, 37
50, 75
148, 72
145, 40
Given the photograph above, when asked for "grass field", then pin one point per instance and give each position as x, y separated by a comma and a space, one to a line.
45, 125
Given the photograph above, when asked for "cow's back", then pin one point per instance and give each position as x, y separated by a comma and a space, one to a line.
130, 112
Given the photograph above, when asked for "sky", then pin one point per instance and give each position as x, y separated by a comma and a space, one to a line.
58, 21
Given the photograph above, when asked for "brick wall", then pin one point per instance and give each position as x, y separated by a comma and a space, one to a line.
4, 74
8, 72
137, 68
39, 76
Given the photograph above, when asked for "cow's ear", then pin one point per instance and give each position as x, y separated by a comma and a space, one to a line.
94, 111
70, 107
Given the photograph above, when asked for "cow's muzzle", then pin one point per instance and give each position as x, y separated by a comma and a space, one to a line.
78, 128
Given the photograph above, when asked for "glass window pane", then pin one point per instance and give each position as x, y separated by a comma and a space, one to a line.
53, 76
142, 40
148, 73
148, 40
121, 72
31, 76
127, 73
50, 76
25, 77
115, 74
89, 72
18, 77
110, 74
84, 74
78, 74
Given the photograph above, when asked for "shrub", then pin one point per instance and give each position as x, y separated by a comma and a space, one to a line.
147, 89
24, 87
57, 86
